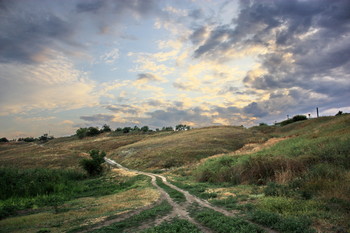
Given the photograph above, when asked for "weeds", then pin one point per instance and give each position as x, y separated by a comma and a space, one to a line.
135, 220
283, 224
25, 189
174, 226
223, 224
174, 194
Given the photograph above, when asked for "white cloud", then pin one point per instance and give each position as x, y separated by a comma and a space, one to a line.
110, 57
54, 84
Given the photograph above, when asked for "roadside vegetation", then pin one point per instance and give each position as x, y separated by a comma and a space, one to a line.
137, 220
175, 226
224, 224
174, 194
299, 184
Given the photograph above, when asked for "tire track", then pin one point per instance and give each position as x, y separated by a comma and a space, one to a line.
181, 210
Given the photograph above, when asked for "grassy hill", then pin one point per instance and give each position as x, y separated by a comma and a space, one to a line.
302, 180
184, 147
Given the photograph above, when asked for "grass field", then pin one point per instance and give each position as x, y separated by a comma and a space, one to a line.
299, 184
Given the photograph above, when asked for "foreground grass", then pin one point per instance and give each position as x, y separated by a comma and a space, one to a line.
33, 188
174, 226
223, 224
137, 220
97, 199
174, 194
309, 171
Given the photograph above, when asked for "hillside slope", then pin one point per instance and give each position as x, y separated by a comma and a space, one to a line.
184, 147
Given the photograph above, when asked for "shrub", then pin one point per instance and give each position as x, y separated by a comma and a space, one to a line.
294, 119
299, 118
93, 166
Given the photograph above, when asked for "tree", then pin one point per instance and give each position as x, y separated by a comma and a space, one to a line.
92, 131
4, 140
127, 129
93, 166
81, 132
105, 128
118, 130
145, 129
181, 127
168, 128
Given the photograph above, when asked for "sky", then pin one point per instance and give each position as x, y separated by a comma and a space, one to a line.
66, 64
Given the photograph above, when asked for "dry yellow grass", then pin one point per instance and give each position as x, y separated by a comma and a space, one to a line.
185, 147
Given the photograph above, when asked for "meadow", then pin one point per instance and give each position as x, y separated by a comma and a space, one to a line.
290, 178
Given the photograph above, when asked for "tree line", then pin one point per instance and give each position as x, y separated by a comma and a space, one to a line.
94, 131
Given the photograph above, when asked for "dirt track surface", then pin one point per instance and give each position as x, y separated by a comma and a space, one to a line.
179, 211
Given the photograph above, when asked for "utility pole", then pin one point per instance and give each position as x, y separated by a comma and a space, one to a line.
317, 112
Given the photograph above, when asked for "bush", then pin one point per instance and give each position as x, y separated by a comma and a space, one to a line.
4, 140
294, 119
299, 118
93, 166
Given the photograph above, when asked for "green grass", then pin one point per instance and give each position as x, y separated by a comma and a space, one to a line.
33, 188
174, 194
283, 224
174, 226
229, 203
223, 224
136, 220
195, 188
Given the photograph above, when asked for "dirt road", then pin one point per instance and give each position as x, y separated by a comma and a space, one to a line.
179, 210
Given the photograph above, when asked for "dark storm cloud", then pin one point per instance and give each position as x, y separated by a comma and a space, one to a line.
29, 29
25, 34
98, 118
309, 51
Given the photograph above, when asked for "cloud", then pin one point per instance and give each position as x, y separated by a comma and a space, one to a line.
111, 57
27, 31
147, 77
98, 118
302, 48
55, 84
124, 109
25, 34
